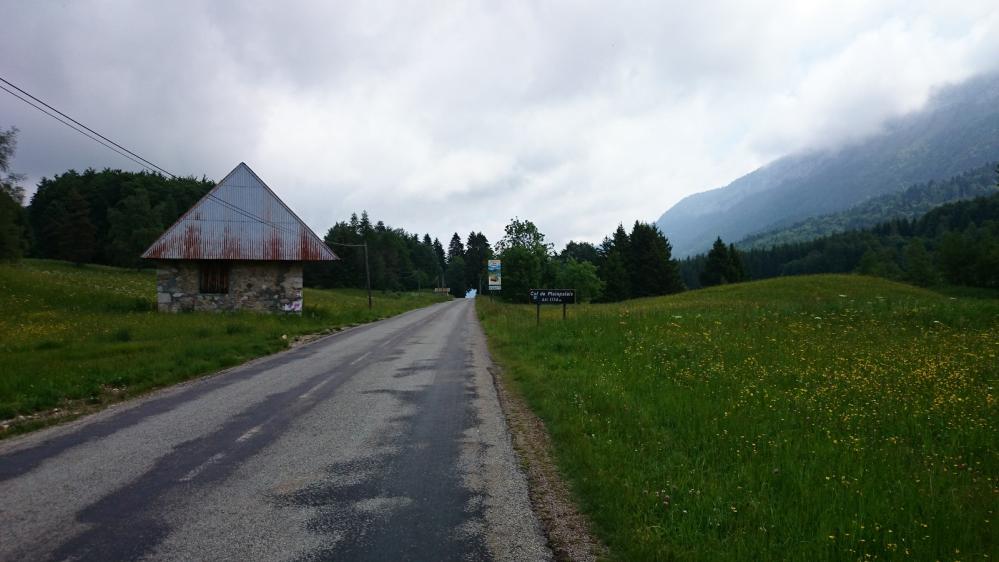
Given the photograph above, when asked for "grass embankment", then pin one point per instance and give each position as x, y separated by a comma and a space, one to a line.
76, 337
811, 418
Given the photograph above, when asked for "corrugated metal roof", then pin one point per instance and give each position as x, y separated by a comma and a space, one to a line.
240, 219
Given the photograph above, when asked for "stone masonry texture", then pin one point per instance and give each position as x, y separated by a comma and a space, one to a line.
261, 286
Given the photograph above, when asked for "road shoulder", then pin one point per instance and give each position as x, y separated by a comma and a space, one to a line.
567, 531
490, 466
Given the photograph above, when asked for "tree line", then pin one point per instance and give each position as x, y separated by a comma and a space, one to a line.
397, 260
625, 265
956, 243
108, 217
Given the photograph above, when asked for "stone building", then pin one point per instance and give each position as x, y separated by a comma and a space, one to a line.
238, 248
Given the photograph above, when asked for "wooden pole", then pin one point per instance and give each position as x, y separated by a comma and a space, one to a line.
367, 273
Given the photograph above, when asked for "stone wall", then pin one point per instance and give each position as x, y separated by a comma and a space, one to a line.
261, 286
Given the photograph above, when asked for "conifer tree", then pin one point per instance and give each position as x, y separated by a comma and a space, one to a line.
718, 265
652, 267
456, 277
919, 267
615, 270
455, 248
441, 256
477, 252
736, 271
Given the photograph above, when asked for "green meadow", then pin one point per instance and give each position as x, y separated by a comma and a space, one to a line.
75, 338
808, 418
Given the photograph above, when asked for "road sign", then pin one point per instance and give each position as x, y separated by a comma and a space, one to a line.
495, 279
553, 296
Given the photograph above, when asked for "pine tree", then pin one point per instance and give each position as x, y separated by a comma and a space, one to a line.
615, 270
653, 269
441, 257
718, 266
477, 252
455, 249
919, 266
364, 227
736, 272
456, 277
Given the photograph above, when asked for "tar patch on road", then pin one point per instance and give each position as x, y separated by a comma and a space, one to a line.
406, 502
133, 510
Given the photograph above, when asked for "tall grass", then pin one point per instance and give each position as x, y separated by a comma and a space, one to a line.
92, 334
813, 418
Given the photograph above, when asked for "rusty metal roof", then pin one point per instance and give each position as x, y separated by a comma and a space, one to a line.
240, 219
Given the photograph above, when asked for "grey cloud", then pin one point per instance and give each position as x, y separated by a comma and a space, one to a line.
447, 117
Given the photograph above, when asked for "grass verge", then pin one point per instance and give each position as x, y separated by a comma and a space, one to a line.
75, 338
825, 417
568, 531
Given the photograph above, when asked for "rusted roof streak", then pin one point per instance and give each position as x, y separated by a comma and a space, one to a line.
240, 219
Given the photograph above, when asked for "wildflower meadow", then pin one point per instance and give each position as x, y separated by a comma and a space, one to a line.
807, 418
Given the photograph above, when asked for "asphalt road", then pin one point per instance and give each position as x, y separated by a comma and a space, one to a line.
384, 442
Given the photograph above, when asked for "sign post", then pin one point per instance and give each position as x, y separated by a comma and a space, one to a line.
493, 269
552, 296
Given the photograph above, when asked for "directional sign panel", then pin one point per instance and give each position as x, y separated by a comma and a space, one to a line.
553, 296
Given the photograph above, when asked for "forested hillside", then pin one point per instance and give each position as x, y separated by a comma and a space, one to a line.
957, 131
909, 204
957, 243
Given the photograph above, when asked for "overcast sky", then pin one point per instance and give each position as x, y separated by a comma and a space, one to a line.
443, 117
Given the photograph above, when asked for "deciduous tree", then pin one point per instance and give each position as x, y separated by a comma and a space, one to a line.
581, 276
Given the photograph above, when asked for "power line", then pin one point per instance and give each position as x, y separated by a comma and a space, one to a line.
119, 149
71, 126
147, 164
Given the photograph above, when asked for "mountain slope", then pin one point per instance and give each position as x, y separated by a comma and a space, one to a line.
958, 130
911, 203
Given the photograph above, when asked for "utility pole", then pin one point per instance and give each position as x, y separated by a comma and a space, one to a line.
367, 268
367, 273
